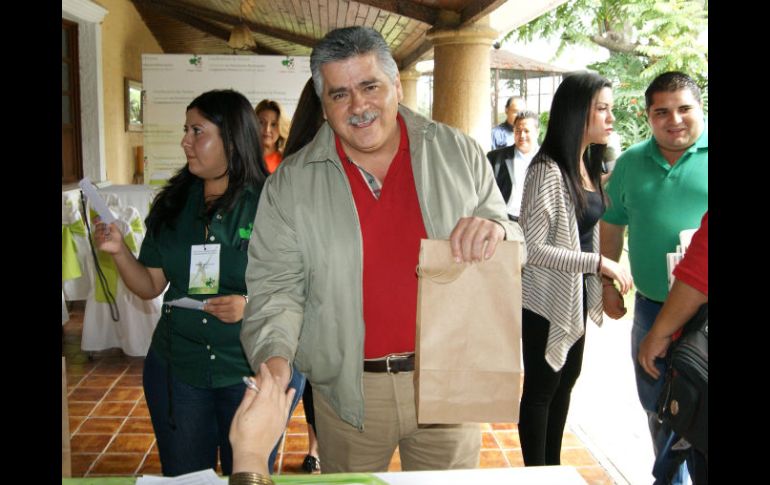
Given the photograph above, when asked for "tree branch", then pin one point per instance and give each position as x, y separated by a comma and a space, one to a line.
614, 42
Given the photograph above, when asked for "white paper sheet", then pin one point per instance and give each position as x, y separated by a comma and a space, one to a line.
187, 303
105, 214
203, 477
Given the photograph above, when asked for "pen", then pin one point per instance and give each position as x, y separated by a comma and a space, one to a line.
247, 380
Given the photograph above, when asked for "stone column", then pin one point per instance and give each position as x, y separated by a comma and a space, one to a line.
461, 78
409, 79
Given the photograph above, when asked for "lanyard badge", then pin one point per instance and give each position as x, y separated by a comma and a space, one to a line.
204, 269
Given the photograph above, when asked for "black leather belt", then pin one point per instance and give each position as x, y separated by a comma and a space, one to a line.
648, 299
392, 364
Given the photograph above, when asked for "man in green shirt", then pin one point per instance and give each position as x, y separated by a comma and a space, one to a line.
659, 187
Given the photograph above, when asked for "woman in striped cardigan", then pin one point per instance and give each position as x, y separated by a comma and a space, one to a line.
562, 203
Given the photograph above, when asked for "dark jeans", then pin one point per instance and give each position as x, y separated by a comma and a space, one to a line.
201, 417
669, 467
546, 395
669, 464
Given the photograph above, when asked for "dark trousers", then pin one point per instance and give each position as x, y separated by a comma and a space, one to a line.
668, 469
546, 395
201, 419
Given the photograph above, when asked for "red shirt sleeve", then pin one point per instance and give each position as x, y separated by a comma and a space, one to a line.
694, 267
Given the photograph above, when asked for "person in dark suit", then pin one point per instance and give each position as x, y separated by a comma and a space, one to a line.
510, 163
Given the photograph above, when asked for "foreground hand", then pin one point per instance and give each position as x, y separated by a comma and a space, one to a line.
613, 302
619, 273
474, 238
228, 308
279, 370
107, 237
651, 347
258, 423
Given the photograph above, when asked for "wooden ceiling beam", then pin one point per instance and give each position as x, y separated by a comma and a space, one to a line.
477, 9
174, 7
412, 58
405, 8
212, 29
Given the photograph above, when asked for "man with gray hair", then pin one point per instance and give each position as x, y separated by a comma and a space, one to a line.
331, 274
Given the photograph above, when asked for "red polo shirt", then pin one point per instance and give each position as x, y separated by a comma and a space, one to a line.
391, 229
694, 267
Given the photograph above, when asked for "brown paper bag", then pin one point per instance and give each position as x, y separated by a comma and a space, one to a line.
468, 345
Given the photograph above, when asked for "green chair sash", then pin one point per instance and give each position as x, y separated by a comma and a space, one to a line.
70, 266
107, 264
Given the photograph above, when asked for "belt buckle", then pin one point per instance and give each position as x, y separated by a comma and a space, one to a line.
387, 365
393, 357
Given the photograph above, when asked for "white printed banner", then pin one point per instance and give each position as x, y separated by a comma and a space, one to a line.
172, 81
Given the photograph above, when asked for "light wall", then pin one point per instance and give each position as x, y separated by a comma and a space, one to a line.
125, 37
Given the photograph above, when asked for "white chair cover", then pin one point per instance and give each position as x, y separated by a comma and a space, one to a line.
138, 318
76, 288
65, 314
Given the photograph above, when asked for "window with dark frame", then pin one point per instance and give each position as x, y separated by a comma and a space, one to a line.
72, 159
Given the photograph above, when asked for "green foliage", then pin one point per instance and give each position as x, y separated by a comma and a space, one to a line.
624, 70
567, 22
630, 118
660, 31
629, 110
645, 38
668, 33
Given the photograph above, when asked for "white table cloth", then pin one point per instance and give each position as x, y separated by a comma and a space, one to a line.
535, 475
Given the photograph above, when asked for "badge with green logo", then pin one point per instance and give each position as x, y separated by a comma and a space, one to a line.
204, 269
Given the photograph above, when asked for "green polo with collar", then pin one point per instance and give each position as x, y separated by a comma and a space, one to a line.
203, 350
657, 201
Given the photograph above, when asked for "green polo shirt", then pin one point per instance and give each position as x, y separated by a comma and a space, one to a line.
203, 351
657, 201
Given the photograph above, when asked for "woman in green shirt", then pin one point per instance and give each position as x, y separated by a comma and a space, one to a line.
197, 236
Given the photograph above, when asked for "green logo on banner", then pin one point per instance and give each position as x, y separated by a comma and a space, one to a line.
245, 233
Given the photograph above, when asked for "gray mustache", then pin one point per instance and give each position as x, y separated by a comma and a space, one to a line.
365, 117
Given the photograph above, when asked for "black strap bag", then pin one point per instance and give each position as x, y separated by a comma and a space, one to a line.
684, 401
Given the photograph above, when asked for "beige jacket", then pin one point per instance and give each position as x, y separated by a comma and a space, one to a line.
304, 275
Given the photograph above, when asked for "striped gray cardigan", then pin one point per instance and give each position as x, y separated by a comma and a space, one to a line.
552, 278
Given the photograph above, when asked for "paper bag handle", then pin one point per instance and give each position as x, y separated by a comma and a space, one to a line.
445, 275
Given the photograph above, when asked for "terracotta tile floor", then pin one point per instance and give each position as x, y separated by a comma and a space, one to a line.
111, 431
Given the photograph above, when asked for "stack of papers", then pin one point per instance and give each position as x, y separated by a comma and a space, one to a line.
672, 259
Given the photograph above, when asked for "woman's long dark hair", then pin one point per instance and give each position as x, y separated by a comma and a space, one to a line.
239, 130
567, 124
308, 118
